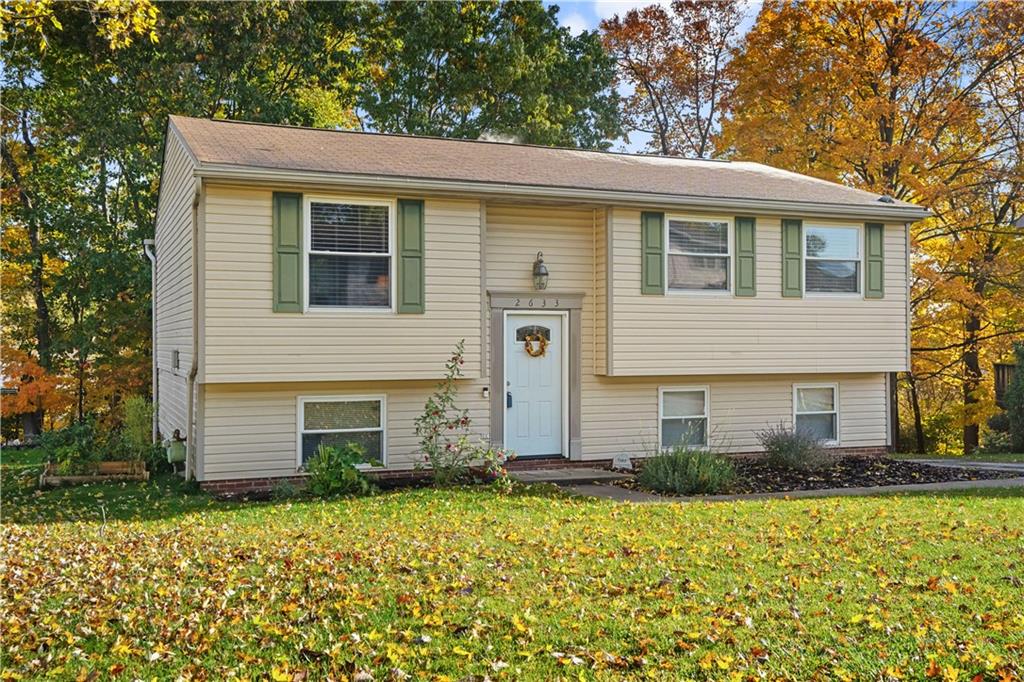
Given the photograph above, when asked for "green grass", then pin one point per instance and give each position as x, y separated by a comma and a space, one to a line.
999, 457
456, 583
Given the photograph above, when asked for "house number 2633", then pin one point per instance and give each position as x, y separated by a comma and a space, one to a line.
536, 303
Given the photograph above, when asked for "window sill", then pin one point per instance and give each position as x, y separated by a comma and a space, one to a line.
698, 292
824, 294
340, 309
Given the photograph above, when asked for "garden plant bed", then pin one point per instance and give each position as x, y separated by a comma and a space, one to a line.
755, 475
105, 471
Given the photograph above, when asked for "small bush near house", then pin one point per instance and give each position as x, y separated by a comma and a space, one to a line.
445, 432
687, 472
333, 471
797, 450
1000, 421
137, 425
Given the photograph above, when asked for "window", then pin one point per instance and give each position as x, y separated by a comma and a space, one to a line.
349, 259
832, 260
698, 254
533, 330
684, 417
339, 421
816, 411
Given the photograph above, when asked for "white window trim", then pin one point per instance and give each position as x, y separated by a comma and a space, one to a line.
728, 255
835, 411
662, 390
300, 407
860, 259
392, 206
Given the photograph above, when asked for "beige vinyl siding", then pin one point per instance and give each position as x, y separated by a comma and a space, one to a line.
701, 333
600, 302
174, 286
569, 239
620, 415
251, 430
245, 341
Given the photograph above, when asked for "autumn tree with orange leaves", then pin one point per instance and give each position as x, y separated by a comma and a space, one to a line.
921, 101
673, 60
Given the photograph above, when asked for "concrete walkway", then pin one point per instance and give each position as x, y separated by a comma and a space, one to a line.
569, 476
618, 494
1016, 467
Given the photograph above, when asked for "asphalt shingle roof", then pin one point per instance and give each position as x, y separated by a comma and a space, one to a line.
249, 145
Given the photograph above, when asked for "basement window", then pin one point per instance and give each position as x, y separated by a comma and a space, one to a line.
816, 411
337, 421
683, 417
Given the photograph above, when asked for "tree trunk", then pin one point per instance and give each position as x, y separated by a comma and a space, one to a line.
915, 406
971, 382
894, 411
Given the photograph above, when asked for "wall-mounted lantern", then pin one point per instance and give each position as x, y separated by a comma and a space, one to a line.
540, 273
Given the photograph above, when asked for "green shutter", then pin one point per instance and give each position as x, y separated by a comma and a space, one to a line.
746, 259
874, 250
287, 252
410, 289
792, 258
652, 247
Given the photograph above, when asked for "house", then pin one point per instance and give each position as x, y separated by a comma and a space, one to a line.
310, 285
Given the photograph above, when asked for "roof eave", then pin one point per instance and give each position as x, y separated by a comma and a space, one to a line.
901, 213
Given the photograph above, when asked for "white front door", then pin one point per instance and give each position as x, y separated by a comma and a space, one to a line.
534, 402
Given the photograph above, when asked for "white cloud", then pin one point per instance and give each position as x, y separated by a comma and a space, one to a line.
575, 22
607, 8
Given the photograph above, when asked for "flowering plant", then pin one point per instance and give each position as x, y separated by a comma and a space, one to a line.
445, 431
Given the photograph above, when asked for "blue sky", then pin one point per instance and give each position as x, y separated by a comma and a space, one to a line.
585, 15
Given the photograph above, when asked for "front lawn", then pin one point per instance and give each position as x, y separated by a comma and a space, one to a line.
463, 583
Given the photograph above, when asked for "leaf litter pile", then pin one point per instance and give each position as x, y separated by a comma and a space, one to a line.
466, 584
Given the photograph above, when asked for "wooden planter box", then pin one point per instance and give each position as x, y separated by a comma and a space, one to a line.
105, 471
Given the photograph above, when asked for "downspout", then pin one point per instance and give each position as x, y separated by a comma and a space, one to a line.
190, 421
149, 246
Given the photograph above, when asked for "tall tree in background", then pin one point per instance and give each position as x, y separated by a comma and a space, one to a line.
919, 101
88, 85
675, 64
466, 69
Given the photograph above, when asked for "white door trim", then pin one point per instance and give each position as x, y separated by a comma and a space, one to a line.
564, 314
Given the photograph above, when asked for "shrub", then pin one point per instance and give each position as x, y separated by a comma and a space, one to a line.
1015, 401
995, 443
445, 432
137, 426
687, 472
333, 471
1000, 422
797, 450
75, 449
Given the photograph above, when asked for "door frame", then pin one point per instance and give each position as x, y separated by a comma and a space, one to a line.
500, 301
563, 315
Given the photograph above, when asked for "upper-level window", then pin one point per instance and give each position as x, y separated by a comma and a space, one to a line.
698, 254
832, 260
349, 254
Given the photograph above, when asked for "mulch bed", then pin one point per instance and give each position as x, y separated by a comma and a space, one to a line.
757, 476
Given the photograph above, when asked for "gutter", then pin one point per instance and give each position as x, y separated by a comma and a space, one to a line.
463, 187
149, 246
190, 418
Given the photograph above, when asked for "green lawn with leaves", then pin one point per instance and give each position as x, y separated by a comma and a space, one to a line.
465, 583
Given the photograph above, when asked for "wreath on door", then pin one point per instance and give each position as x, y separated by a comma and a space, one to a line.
538, 350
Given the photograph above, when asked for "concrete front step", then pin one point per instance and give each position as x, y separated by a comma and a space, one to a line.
569, 476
